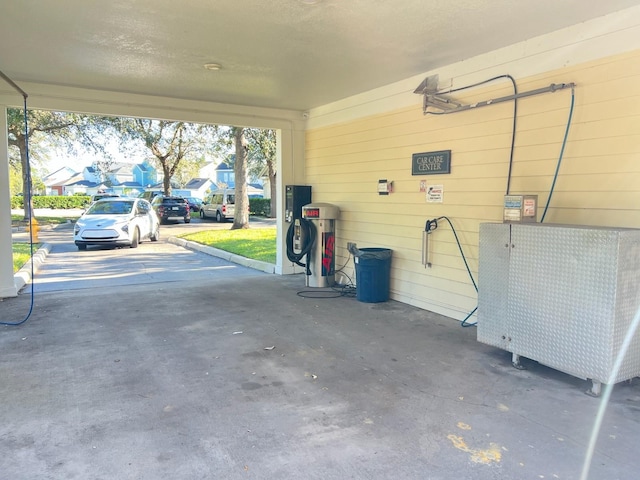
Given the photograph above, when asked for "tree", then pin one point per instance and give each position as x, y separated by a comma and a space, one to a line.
262, 157
187, 171
15, 180
170, 142
103, 167
20, 138
241, 215
27, 145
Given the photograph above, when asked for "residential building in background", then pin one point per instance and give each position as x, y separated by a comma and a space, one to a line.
128, 179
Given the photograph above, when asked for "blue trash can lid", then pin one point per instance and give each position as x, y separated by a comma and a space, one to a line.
372, 253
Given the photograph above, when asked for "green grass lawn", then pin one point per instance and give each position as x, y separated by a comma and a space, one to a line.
255, 243
22, 254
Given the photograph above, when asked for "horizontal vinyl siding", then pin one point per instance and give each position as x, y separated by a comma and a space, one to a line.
598, 181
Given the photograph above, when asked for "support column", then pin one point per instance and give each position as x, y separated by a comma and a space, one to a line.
290, 171
7, 283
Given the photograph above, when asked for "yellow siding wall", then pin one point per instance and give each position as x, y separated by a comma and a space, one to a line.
598, 183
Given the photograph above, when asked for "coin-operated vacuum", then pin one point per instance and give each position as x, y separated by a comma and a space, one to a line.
299, 231
321, 260
312, 238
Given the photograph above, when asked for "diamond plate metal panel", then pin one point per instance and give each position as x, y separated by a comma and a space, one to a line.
569, 300
493, 281
627, 304
562, 296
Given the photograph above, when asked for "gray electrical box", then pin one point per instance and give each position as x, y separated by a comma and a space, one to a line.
296, 196
563, 295
520, 208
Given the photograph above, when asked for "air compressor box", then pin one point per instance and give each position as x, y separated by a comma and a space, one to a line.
520, 209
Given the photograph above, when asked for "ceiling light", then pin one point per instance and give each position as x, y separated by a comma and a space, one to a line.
212, 66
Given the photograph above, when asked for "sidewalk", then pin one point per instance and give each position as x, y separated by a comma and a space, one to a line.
51, 212
24, 275
47, 212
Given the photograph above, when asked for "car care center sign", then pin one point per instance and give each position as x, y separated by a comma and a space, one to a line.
431, 163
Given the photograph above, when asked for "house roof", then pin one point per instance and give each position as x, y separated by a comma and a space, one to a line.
129, 184
67, 170
120, 166
196, 183
82, 183
75, 178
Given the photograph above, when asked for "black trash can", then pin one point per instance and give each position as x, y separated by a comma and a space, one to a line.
373, 270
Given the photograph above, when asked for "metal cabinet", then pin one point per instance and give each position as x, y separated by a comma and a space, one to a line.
563, 295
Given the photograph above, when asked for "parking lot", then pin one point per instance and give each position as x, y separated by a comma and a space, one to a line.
151, 262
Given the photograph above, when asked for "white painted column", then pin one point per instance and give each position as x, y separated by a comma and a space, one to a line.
7, 284
290, 171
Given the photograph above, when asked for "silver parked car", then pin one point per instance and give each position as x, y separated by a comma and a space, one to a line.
117, 222
219, 205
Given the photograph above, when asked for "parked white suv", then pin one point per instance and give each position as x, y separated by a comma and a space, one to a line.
117, 222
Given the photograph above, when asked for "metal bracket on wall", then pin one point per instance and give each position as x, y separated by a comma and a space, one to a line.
439, 99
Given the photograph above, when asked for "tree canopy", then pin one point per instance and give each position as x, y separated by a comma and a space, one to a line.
178, 149
171, 143
28, 144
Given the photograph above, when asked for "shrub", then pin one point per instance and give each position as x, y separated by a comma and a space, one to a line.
260, 206
58, 202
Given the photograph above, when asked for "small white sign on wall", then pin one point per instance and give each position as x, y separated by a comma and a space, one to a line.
435, 193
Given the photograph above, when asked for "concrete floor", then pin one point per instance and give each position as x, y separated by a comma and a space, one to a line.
239, 377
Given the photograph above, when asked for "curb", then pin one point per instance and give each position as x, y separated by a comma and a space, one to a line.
231, 257
23, 276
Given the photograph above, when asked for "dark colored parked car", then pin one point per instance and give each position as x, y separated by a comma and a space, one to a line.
171, 208
194, 203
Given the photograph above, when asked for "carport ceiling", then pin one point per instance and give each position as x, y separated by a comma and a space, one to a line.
292, 54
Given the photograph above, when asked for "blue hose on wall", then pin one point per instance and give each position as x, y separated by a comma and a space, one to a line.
28, 197
564, 143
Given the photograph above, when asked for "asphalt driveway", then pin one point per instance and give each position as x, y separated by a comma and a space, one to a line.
67, 268
174, 365
152, 262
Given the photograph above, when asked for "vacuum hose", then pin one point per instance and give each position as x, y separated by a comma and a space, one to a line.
310, 231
